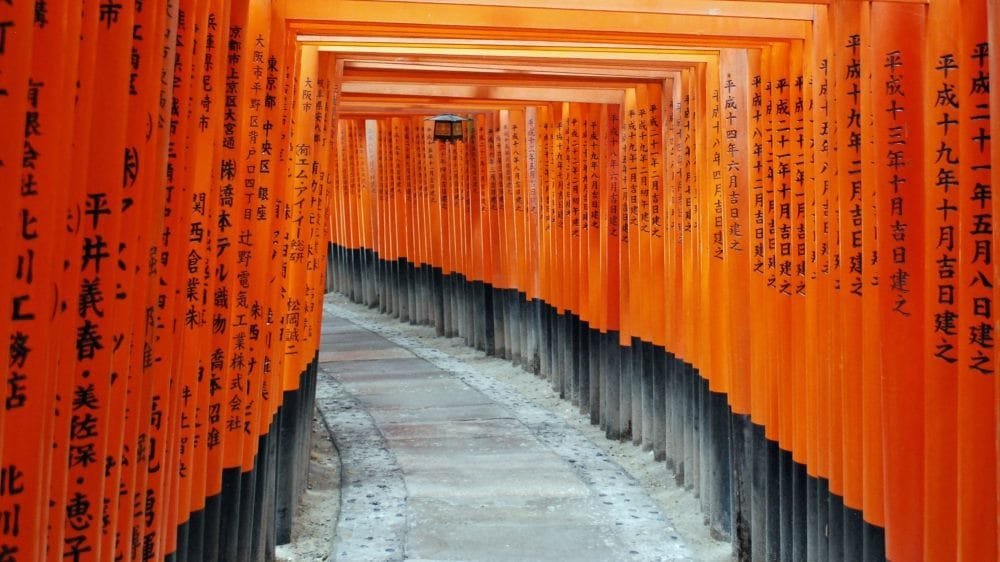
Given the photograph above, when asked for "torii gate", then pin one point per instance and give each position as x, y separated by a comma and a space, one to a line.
786, 226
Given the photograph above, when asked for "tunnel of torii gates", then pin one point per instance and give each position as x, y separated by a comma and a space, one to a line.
753, 237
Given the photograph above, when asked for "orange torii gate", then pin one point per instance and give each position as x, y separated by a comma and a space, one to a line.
163, 277
795, 194
755, 237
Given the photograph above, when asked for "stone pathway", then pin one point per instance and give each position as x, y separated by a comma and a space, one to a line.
443, 463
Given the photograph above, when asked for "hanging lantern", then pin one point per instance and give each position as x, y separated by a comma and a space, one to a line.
449, 127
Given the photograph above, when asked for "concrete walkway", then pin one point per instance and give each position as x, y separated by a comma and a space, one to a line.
443, 463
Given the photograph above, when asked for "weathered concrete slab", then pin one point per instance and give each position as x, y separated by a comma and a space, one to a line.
354, 341
438, 413
420, 393
476, 483
498, 542
482, 428
365, 377
448, 448
397, 366
365, 354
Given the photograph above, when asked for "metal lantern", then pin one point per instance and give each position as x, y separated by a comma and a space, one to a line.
449, 127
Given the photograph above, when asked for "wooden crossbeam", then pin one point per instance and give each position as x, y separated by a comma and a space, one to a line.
632, 57
533, 79
641, 36
766, 9
484, 92
544, 23
451, 65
